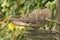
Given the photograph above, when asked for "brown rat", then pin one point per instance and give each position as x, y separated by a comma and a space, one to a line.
37, 16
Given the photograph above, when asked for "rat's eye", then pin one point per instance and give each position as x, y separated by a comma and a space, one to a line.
47, 18
40, 12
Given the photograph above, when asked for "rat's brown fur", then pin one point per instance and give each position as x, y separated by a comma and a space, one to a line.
39, 14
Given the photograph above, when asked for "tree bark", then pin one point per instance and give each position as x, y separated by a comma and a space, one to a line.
58, 15
58, 18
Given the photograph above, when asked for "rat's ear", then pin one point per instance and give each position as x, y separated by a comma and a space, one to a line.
27, 15
40, 13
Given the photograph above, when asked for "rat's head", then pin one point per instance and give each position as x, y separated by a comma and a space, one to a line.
47, 14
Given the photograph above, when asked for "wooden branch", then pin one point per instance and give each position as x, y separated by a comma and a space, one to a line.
40, 34
20, 23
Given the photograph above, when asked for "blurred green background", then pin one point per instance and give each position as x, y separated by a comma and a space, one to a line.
8, 8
